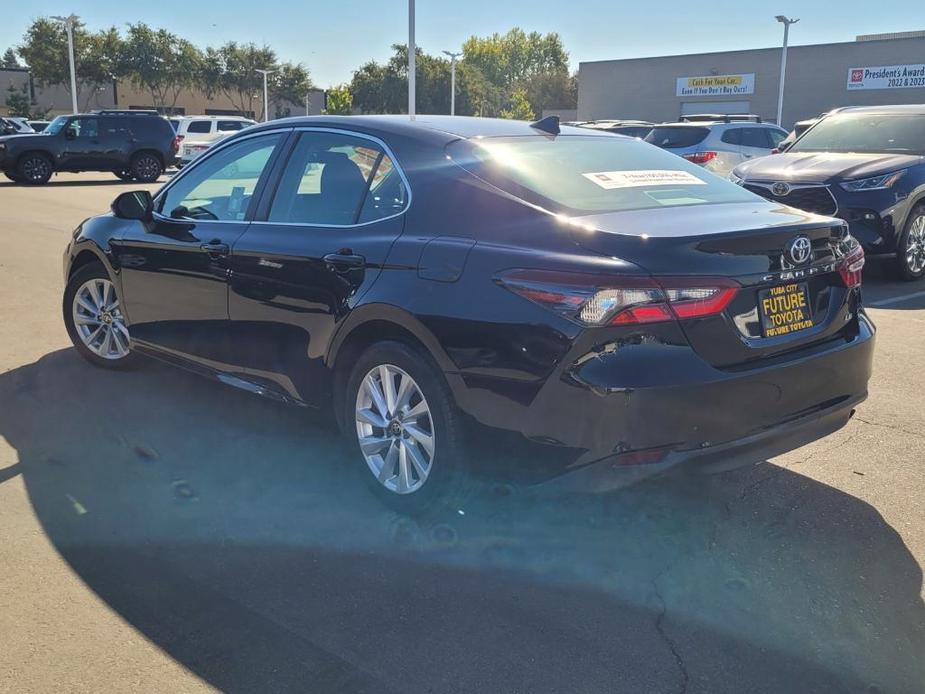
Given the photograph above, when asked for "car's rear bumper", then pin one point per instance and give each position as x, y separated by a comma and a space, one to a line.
661, 404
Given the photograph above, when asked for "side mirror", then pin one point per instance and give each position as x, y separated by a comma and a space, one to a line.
135, 204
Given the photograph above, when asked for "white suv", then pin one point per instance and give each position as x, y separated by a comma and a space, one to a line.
718, 143
196, 133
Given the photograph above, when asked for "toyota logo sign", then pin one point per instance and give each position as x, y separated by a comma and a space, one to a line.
800, 249
780, 189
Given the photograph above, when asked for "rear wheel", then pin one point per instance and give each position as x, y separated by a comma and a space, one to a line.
910, 252
34, 168
93, 318
146, 167
405, 427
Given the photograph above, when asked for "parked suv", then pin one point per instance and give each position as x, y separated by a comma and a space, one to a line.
718, 143
134, 145
863, 164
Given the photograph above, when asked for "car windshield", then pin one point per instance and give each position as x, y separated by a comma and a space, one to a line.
56, 125
576, 174
877, 132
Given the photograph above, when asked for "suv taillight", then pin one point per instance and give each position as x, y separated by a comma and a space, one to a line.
700, 157
850, 266
176, 143
596, 300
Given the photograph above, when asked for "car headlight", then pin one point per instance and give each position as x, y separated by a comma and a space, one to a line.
873, 183
738, 180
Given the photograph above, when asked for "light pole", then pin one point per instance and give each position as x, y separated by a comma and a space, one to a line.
783, 64
411, 56
453, 57
266, 104
69, 23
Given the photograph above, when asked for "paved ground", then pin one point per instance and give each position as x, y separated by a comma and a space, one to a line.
162, 533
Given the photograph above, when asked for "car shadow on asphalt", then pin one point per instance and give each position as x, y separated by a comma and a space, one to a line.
59, 183
236, 535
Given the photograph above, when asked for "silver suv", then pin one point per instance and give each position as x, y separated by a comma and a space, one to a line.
718, 143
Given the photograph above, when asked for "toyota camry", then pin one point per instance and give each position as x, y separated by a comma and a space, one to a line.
425, 277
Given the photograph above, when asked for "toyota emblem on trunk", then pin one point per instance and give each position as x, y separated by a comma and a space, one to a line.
780, 189
799, 249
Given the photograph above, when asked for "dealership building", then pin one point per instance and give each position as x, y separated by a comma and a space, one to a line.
872, 70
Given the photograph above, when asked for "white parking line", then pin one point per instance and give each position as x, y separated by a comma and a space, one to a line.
894, 300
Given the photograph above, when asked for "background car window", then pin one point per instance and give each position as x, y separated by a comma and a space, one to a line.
113, 128
327, 180
777, 136
755, 137
733, 136
677, 136
220, 187
231, 125
199, 126
84, 127
865, 133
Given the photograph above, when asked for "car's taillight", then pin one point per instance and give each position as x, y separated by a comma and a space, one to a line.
620, 300
699, 157
176, 143
850, 266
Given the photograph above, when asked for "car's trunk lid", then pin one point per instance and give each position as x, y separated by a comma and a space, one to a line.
750, 244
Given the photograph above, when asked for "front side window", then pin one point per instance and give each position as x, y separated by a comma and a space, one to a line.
199, 126
84, 127
337, 180
584, 175
220, 187
865, 132
57, 125
777, 136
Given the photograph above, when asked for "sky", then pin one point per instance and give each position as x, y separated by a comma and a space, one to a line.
332, 39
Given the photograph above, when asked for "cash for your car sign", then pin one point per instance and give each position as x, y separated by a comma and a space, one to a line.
716, 85
887, 77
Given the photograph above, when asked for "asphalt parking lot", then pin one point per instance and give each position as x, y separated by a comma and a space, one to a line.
159, 532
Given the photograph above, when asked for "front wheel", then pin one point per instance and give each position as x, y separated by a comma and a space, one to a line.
146, 167
34, 168
404, 425
910, 253
93, 318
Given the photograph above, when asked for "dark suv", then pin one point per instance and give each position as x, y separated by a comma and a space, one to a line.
134, 145
863, 164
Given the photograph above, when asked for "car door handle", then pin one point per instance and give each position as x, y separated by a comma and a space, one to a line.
344, 261
216, 249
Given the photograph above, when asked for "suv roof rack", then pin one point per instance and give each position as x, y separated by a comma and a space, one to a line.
126, 112
723, 117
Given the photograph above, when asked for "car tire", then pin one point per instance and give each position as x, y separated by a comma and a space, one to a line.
34, 168
146, 167
94, 320
910, 251
124, 175
401, 468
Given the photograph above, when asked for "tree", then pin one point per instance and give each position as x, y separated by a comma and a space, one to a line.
232, 70
290, 84
339, 101
519, 107
160, 62
9, 59
19, 104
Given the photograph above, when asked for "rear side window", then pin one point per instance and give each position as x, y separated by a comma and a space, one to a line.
733, 136
231, 125
584, 175
113, 128
337, 180
756, 137
676, 136
199, 126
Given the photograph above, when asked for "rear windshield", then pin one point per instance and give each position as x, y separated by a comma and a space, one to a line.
575, 174
670, 136
903, 133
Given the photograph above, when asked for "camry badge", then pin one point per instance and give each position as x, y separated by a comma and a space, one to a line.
799, 249
780, 189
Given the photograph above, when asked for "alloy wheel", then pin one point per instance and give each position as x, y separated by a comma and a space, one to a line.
915, 246
36, 169
98, 319
395, 429
147, 168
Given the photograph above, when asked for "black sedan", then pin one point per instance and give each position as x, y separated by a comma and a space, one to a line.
420, 277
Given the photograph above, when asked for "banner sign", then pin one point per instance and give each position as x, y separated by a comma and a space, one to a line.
887, 77
716, 85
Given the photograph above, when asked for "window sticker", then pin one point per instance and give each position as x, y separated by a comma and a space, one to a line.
609, 180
